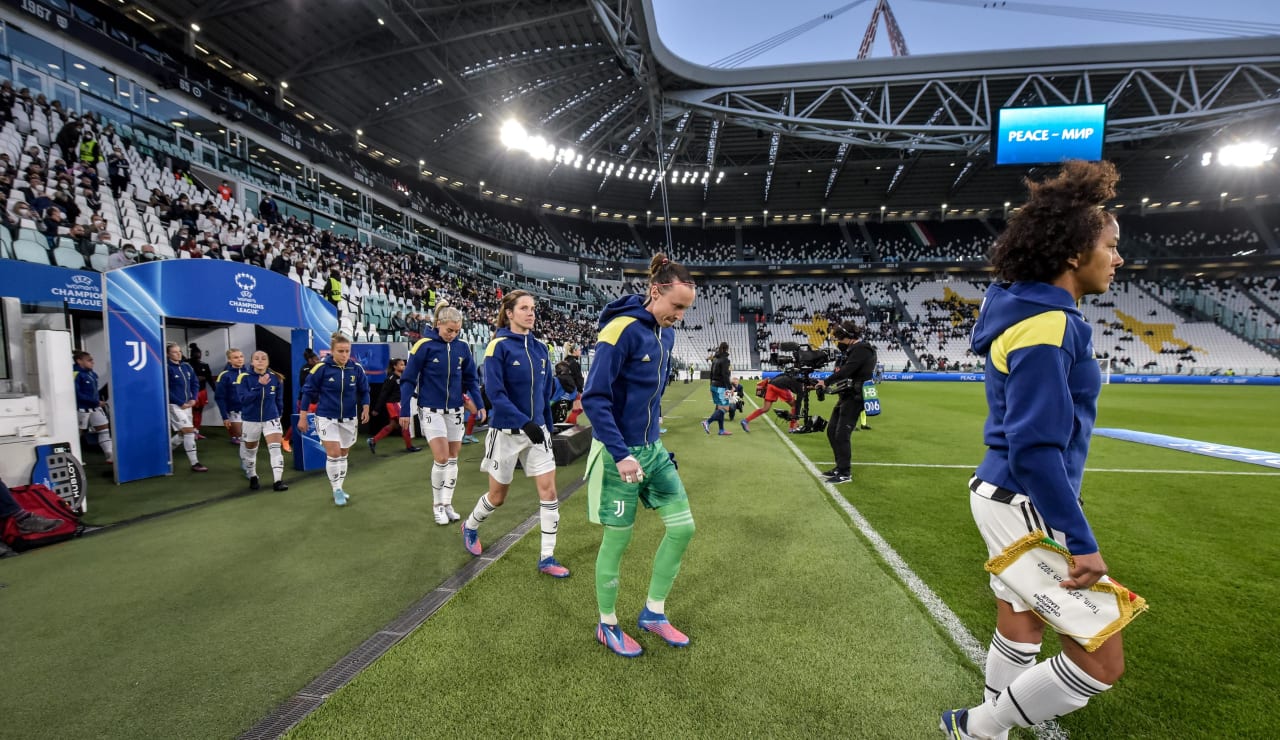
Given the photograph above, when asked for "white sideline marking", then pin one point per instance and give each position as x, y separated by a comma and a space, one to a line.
1087, 470
941, 613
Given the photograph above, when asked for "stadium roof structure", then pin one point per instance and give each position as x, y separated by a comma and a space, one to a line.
433, 81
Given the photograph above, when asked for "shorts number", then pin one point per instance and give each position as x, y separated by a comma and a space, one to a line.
457, 418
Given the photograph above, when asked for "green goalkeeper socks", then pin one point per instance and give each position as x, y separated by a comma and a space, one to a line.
666, 562
608, 564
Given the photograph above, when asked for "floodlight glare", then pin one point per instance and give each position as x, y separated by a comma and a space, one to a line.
513, 134
1246, 154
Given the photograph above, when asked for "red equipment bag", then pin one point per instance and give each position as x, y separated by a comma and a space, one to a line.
44, 502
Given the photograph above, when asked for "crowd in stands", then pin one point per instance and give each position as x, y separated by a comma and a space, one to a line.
515, 227
798, 243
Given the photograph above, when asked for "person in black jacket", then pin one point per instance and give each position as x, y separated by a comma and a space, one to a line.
572, 358
855, 365
389, 399
720, 382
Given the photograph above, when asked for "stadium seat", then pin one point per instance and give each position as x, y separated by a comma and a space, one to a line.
29, 251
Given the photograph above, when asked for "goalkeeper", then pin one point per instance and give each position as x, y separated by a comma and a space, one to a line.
628, 464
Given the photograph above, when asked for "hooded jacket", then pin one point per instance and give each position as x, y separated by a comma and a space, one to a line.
1042, 387
720, 372
440, 372
259, 402
86, 389
338, 392
184, 386
518, 380
224, 389
628, 375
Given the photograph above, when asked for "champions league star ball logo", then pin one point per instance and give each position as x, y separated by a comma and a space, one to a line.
246, 283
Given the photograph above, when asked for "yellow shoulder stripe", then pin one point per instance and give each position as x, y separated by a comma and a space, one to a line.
418, 344
493, 344
316, 367
612, 330
1047, 328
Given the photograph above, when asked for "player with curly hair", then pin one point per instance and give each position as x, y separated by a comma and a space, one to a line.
1042, 388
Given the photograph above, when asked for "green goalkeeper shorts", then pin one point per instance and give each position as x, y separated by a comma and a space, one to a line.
613, 502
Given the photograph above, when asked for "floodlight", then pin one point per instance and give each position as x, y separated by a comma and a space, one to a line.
513, 134
1246, 154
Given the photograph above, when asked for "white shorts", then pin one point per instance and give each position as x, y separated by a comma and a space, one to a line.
92, 419
332, 430
233, 416
503, 448
1001, 525
179, 418
255, 429
450, 423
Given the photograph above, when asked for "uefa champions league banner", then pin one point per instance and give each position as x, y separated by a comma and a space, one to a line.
137, 299
45, 284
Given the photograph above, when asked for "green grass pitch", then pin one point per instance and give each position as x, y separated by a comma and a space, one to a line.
198, 623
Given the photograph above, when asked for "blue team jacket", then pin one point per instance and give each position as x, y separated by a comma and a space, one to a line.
1042, 387
338, 392
86, 389
439, 372
259, 402
518, 380
224, 389
183, 384
628, 375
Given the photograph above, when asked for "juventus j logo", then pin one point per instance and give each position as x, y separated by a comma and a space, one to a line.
139, 359
619, 508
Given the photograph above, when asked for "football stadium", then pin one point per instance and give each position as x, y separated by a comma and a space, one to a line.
638, 368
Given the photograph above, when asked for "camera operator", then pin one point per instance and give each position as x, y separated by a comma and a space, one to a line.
854, 366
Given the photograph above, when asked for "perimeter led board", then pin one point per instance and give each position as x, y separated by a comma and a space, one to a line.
1049, 135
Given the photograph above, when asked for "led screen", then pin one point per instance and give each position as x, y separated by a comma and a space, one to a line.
1048, 135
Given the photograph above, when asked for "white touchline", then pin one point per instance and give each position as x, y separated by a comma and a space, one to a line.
941, 613
1087, 470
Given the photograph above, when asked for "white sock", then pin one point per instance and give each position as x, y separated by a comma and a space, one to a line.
437, 483
1050, 689
1006, 660
189, 444
342, 471
174, 441
333, 468
482, 511
450, 482
104, 441
609, 618
657, 607
277, 460
250, 457
549, 512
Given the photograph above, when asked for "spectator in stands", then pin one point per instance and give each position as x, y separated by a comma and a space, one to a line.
1043, 385
224, 191
268, 211
441, 375
720, 377
123, 257
622, 400
261, 396
148, 254
518, 382
184, 385
118, 172
333, 287
66, 202
36, 195
68, 137
53, 221
80, 240
398, 326
28, 523
7, 98
340, 389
